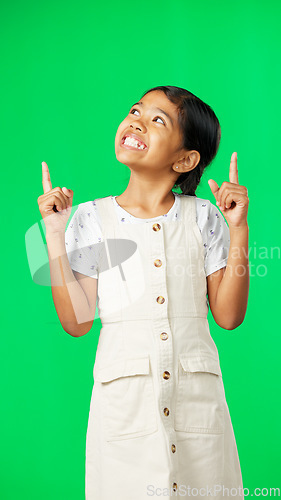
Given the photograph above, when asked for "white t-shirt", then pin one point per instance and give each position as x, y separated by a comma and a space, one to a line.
84, 233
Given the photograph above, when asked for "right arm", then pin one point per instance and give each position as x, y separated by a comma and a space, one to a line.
74, 294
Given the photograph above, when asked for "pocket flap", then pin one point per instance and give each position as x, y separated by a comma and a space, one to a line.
200, 364
122, 368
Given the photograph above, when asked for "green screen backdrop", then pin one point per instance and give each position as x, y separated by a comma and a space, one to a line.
69, 75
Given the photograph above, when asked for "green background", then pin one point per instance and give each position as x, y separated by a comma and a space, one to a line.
70, 73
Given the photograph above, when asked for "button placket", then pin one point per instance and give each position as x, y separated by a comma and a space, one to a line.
164, 337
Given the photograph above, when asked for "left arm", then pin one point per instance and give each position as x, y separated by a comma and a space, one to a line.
228, 288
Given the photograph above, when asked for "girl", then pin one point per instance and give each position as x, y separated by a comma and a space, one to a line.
155, 260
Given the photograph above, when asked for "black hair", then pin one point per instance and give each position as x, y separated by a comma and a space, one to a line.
200, 130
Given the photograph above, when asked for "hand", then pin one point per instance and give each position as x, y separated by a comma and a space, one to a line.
232, 199
55, 204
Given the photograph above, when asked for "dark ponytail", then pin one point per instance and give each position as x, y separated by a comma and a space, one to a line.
201, 132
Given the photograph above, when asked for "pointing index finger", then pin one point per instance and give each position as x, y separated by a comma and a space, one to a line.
46, 180
233, 170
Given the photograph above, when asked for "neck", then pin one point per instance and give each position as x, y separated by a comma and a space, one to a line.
147, 195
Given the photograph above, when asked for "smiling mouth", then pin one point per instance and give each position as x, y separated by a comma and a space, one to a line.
129, 142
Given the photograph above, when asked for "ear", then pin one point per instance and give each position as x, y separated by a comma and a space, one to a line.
187, 163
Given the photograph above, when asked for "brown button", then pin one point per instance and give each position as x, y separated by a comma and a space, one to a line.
160, 299
158, 263
175, 486
156, 227
166, 375
164, 336
166, 411
173, 448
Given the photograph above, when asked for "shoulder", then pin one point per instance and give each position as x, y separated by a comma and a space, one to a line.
208, 216
207, 212
86, 206
202, 204
91, 206
85, 213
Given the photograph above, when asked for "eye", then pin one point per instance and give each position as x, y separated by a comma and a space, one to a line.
160, 119
156, 117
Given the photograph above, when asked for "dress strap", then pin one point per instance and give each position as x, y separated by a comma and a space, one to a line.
106, 211
188, 208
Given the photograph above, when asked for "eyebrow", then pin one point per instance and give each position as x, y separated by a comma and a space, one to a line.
159, 109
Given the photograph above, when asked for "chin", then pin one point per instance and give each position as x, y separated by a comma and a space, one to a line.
121, 154
121, 158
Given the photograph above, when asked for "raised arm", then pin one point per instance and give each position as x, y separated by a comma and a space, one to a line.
74, 294
228, 288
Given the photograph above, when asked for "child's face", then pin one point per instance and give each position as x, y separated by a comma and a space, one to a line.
161, 135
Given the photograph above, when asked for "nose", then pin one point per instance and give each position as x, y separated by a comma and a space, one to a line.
137, 125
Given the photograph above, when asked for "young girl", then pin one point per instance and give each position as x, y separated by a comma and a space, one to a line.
155, 260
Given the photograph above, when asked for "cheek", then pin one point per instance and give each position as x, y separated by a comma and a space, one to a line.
123, 125
163, 147
118, 134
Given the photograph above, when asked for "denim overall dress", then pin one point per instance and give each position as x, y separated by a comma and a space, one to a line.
159, 424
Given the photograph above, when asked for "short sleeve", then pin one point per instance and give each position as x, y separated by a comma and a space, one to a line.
81, 242
218, 241
215, 235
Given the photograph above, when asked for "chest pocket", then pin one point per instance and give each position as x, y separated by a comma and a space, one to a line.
127, 399
200, 395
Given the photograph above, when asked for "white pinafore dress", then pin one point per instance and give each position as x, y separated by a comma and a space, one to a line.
159, 424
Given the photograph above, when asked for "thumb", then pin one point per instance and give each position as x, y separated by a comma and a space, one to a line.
214, 187
68, 192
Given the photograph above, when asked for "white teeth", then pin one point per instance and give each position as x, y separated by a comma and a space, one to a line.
132, 142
